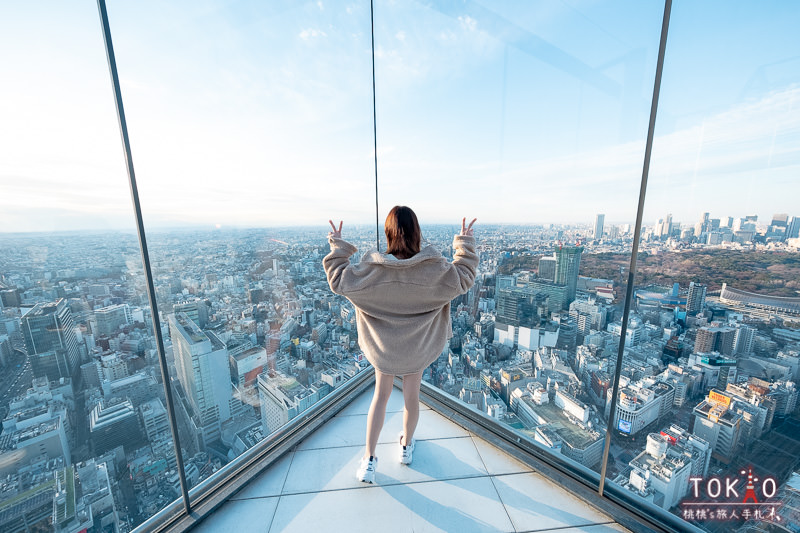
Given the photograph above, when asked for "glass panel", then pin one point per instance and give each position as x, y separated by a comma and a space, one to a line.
712, 357
531, 117
85, 442
251, 126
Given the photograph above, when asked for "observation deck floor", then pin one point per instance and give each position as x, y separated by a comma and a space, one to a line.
458, 482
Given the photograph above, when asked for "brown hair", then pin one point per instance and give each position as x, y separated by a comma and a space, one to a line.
403, 235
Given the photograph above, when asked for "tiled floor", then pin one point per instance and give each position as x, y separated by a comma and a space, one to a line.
457, 482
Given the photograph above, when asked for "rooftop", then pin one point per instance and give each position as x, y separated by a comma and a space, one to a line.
43, 309
573, 434
458, 482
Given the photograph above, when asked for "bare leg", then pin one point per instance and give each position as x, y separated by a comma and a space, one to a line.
411, 399
377, 409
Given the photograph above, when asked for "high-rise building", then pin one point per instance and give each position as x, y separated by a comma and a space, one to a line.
282, 398
201, 362
247, 365
717, 424
743, 343
599, 219
639, 405
6, 350
778, 228
549, 297
113, 424
568, 261
780, 219
597, 312
715, 339
693, 446
154, 418
196, 310
793, 230
110, 318
547, 268
662, 468
10, 298
50, 339
515, 305
703, 226
696, 300
663, 229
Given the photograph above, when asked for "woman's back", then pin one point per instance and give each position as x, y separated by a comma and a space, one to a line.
402, 305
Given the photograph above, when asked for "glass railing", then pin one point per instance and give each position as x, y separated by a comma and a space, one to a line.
716, 303
535, 123
250, 126
272, 139
84, 431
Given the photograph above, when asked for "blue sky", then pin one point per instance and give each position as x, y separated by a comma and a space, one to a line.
514, 111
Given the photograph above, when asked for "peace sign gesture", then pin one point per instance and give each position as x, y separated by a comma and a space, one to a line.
467, 230
336, 233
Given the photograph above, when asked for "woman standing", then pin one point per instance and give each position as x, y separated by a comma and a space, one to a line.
402, 300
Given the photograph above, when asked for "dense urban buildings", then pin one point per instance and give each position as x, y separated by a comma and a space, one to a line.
254, 337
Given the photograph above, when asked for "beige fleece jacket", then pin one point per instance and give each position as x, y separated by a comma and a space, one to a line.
402, 305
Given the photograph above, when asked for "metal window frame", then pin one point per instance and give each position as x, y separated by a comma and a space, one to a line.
637, 235
140, 231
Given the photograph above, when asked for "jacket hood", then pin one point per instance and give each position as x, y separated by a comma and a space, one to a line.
427, 253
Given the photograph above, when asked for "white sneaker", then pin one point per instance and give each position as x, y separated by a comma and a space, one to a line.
407, 451
366, 471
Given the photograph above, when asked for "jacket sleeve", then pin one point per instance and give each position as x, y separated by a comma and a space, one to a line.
337, 265
465, 262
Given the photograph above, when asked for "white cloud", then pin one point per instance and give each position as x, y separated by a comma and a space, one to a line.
400, 36
743, 160
468, 23
311, 33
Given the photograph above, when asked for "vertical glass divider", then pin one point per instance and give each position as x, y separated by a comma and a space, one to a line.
374, 127
151, 293
637, 234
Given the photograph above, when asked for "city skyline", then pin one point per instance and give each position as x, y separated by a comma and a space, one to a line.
763, 220
254, 338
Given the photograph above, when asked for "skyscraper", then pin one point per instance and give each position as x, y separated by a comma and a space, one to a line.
514, 305
696, 300
568, 261
547, 268
201, 362
793, 231
780, 219
715, 339
196, 310
50, 339
110, 318
702, 227
282, 398
113, 424
598, 226
744, 339
665, 228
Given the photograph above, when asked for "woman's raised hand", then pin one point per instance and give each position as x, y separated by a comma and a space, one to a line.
337, 233
467, 230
